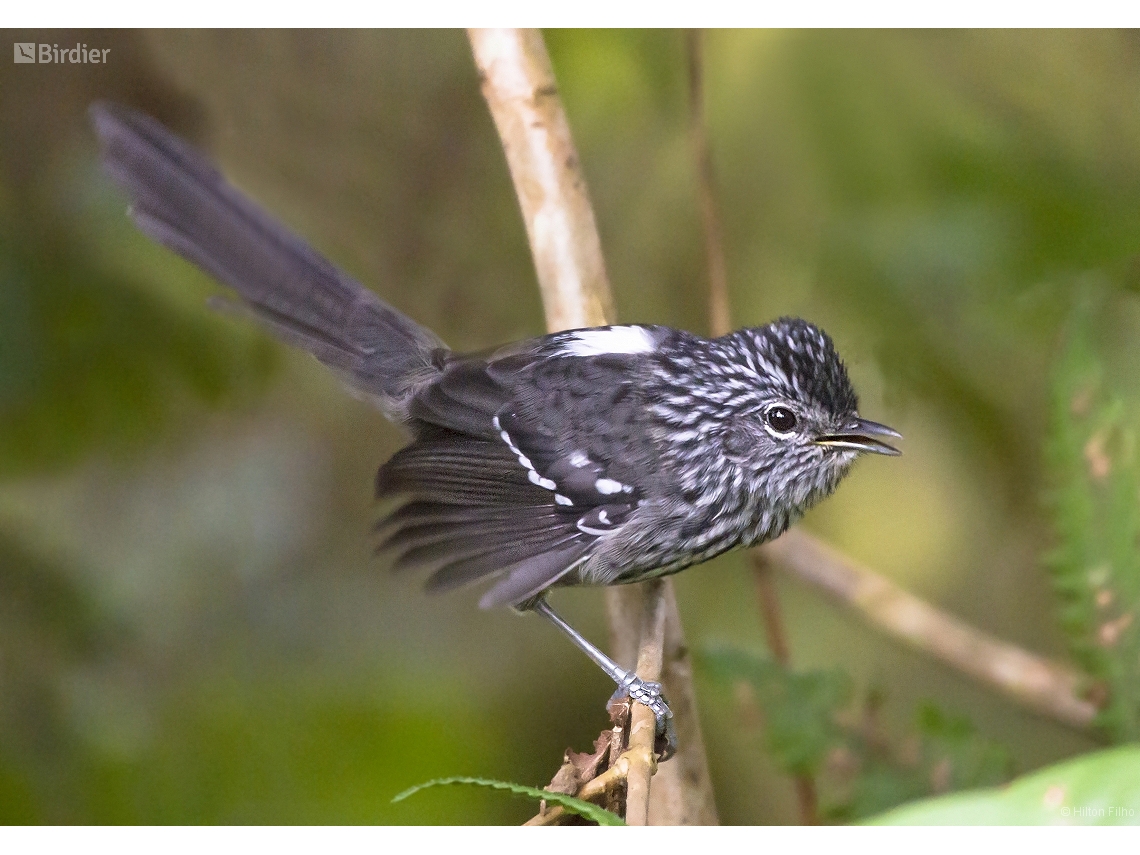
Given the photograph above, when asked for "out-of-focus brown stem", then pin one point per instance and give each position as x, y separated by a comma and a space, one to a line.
767, 599
1034, 681
518, 82
777, 639
720, 315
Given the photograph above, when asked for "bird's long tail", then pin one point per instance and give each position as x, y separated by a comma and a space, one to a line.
180, 200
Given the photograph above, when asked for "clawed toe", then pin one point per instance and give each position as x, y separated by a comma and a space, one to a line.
648, 693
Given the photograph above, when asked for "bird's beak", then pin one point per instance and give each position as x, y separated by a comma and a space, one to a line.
859, 435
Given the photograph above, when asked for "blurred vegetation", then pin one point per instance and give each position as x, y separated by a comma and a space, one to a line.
813, 726
1095, 501
191, 629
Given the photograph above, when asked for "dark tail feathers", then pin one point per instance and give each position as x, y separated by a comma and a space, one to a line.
180, 200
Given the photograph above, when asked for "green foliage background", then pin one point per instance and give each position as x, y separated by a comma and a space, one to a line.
191, 626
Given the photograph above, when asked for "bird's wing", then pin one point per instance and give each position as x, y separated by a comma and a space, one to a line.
510, 475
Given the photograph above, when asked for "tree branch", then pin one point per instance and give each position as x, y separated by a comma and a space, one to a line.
682, 791
643, 725
518, 83
1034, 681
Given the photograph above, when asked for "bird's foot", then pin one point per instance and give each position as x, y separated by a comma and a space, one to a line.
648, 693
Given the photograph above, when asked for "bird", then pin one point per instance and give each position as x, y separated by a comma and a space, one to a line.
598, 456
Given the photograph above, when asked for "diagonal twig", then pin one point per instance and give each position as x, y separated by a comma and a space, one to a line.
1034, 681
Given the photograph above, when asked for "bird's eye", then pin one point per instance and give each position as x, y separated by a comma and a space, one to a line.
781, 419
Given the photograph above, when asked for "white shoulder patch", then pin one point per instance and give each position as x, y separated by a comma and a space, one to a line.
625, 339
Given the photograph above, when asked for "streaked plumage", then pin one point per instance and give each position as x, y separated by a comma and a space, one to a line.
595, 456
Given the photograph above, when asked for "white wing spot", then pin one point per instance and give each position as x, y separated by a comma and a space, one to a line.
596, 532
627, 339
545, 483
532, 474
603, 517
578, 459
608, 486
559, 499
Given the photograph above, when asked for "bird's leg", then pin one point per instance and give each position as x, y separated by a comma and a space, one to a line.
645, 692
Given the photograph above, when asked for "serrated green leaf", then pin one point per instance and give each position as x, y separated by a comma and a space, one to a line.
799, 707
1102, 788
582, 808
1095, 479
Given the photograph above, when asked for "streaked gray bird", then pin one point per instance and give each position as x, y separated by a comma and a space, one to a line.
590, 457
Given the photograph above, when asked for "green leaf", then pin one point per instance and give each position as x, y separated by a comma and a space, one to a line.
1102, 788
799, 707
582, 808
802, 714
1094, 475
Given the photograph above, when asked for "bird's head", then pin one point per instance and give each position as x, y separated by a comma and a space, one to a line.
794, 421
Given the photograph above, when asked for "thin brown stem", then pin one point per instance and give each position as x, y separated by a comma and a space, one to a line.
720, 315
682, 791
807, 799
768, 601
777, 638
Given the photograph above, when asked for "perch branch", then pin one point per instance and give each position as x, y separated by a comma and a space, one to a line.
1047, 687
682, 790
518, 83
643, 725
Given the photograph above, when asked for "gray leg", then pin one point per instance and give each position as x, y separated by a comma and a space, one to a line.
629, 684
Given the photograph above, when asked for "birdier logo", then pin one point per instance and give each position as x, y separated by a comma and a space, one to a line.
45, 53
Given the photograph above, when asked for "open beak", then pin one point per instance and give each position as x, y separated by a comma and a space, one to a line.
859, 435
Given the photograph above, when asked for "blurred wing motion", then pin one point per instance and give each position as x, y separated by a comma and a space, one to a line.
509, 475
